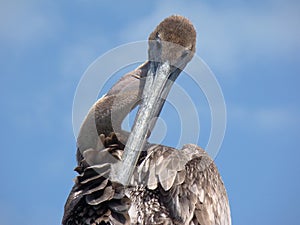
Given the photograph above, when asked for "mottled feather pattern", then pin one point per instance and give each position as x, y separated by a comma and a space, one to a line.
186, 183
94, 199
168, 187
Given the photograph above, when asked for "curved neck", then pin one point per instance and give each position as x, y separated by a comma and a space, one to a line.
108, 113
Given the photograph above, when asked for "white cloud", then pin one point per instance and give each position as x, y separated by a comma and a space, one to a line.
23, 23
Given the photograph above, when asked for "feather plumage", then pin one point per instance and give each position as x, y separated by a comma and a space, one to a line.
168, 186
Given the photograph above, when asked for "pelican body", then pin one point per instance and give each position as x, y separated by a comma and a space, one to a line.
124, 179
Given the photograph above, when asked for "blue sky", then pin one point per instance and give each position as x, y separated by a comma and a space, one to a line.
252, 48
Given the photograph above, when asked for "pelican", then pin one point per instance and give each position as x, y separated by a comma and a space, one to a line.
124, 179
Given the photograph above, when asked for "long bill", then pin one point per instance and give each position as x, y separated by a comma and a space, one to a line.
155, 91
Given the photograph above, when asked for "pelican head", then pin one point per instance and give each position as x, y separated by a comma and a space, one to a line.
171, 47
173, 41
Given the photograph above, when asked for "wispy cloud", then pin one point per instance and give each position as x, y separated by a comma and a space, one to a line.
24, 23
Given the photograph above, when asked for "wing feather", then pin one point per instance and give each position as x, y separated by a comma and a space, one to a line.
95, 199
189, 184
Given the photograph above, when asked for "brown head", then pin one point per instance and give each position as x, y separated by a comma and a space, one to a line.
173, 40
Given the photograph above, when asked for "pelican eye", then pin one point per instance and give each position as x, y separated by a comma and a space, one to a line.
185, 53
